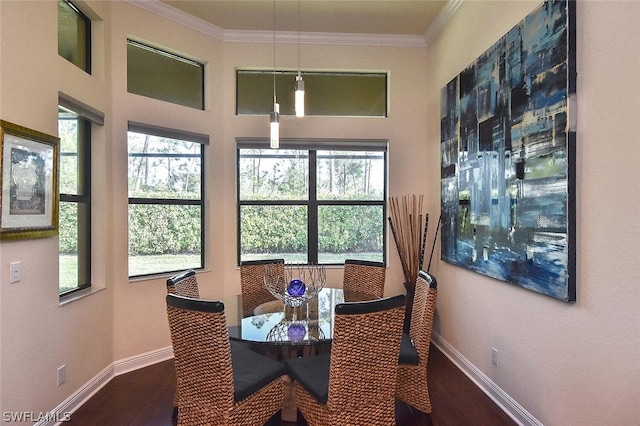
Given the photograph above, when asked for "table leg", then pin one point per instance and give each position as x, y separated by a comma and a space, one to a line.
289, 410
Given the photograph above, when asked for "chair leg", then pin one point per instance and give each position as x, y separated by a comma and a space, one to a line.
300, 420
422, 417
275, 420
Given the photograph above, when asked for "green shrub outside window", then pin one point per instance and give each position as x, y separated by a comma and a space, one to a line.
166, 202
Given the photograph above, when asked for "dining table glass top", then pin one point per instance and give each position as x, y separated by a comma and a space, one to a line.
266, 320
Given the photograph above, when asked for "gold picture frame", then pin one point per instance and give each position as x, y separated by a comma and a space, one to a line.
29, 181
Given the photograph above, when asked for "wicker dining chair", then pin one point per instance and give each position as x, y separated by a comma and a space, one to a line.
184, 284
254, 291
217, 384
364, 276
355, 383
414, 352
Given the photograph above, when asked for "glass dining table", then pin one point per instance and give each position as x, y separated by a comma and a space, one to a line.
269, 322
282, 331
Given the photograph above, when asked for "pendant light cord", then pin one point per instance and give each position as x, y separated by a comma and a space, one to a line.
274, 51
298, 23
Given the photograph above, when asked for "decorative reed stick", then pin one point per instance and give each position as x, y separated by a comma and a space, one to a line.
409, 233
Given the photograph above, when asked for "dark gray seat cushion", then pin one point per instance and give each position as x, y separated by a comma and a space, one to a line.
312, 373
252, 371
408, 352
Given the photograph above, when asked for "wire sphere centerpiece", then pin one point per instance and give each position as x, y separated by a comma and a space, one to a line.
300, 283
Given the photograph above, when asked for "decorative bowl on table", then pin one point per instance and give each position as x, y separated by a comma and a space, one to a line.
299, 284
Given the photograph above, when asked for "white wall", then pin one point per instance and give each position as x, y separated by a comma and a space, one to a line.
128, 319
566, 364
36, 334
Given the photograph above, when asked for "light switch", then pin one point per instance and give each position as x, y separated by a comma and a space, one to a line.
16, 272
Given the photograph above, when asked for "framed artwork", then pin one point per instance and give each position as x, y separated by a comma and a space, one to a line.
508, 157
29, 181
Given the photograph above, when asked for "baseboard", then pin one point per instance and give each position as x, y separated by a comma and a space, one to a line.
143, 360
514, 410
79, 397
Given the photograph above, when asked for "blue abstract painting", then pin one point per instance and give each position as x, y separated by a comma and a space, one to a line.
508, 157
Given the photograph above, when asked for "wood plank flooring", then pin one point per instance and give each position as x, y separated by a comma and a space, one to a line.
145, 397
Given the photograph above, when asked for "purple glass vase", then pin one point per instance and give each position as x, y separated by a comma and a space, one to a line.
296, 332
296, 287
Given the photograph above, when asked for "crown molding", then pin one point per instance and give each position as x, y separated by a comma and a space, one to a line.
449, 9
351, 39
178, 16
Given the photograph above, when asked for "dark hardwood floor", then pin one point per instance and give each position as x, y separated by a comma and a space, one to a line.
145, 397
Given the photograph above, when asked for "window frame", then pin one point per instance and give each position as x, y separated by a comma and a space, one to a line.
203, 141
261, 89
134, 87
88, 40
313, 203
87, 117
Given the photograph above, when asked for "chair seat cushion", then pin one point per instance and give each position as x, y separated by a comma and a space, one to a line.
312, 373
408, 352
252, 371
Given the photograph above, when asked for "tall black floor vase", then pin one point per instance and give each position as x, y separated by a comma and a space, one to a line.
411, 289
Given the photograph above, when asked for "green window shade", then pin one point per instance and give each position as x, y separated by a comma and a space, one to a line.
326, 93
161, 75
74, 35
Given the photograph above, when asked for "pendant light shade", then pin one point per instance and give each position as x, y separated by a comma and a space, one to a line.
299, 96
274, 116
274, 138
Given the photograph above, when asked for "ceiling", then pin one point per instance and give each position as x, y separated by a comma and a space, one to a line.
393, 17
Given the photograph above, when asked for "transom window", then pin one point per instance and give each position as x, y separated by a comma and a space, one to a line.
312, 201
74, 35
166, 202
347, 94
159, 74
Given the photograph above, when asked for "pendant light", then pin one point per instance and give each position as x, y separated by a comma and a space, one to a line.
299, 99
274, 136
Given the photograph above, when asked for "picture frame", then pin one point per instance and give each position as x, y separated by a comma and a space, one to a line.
508, 157
29, 181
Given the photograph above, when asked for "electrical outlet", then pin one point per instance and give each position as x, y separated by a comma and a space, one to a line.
16, 272
62, 374
494, 356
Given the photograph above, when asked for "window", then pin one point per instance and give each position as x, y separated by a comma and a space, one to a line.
326, 93
312, 201
74, 35
166, 203
158, 74
75, 121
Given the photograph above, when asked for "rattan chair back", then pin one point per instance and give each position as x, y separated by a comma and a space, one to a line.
363, 366
184, 284
363, 276
254, 291
412, 379
203, 363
